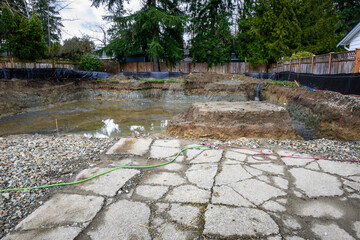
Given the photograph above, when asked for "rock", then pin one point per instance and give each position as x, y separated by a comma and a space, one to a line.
330, 232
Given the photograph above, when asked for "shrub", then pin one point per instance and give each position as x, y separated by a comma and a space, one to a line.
90, 62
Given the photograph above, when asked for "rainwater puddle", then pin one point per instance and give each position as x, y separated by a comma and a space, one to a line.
96, 118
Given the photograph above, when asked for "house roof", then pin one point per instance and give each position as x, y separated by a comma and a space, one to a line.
346, 40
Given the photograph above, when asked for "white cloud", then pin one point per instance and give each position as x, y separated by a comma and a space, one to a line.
80, 14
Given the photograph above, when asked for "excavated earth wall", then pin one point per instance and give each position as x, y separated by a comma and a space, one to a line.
320, 111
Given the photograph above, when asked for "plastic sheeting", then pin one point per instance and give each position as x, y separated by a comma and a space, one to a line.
343, 83
44, 73
153, 75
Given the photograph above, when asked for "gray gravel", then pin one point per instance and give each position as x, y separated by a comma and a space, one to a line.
34, 160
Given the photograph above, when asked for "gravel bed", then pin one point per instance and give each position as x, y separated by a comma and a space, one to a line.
35, 160
32, 160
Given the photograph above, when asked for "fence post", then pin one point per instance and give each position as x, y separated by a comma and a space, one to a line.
12, 62
277, 67
299, 65
189, 67
312, 64
330, 58
53, 63
290, 65
137, 66
357, 61
228, 68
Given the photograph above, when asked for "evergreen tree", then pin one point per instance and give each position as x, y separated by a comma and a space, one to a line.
210, 29
76, 47
268, 30
348, 12
48, 13
318, 26
156, 30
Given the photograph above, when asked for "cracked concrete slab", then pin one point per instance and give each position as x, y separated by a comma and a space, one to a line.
63, 209
107, 184
270, 168
167, 143
316, 184
122, 220
188, 194
151, 192
135, 146
165, 178
256, 191
57, 233
231, 174
226, 221
185, 214
208, 156
356, 227
202, 175
330, 232
163, 152
318, 208
340, 168
226, 195
273, 206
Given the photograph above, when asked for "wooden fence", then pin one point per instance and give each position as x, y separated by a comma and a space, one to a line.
331, 63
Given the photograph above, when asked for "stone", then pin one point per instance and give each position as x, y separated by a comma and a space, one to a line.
294, 238
167, 143
227, 195
123, 220
185, 214
318, 208
188, 194
208, 156
313, 166
240, 157
312, 183
202, 175
253, 171
353, 185
256, 191
230, 120
340, 168
356, 227
270, 168
281, 182
231, 174
169, 232
107, 184
226, 221
165, 178
57, 233
330, 232
63, 209
273, 206
291, 223
151, 192
193, 152
173, 167
163, 152
300, 160
135, 146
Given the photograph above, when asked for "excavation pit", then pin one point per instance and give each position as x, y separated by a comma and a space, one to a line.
230, 120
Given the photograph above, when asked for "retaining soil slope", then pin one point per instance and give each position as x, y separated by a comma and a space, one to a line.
329, 115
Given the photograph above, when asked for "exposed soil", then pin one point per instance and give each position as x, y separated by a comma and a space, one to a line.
320, 111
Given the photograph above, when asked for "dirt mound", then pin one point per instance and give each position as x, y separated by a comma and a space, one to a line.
210, 77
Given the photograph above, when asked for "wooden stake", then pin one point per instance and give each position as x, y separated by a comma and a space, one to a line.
290, 65
12, 62
330, 58
357, 61
299, 65
57, 127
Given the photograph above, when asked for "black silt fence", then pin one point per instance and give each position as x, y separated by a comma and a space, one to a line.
343, 83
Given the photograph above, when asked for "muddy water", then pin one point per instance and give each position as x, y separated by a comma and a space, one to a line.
96, 118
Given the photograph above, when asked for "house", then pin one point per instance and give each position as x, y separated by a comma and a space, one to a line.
352, 39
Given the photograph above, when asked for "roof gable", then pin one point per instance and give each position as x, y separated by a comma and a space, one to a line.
347, 39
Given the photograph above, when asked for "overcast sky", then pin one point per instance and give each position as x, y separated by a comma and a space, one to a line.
80, 14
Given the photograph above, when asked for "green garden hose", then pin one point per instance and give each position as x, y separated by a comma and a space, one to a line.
100, 174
